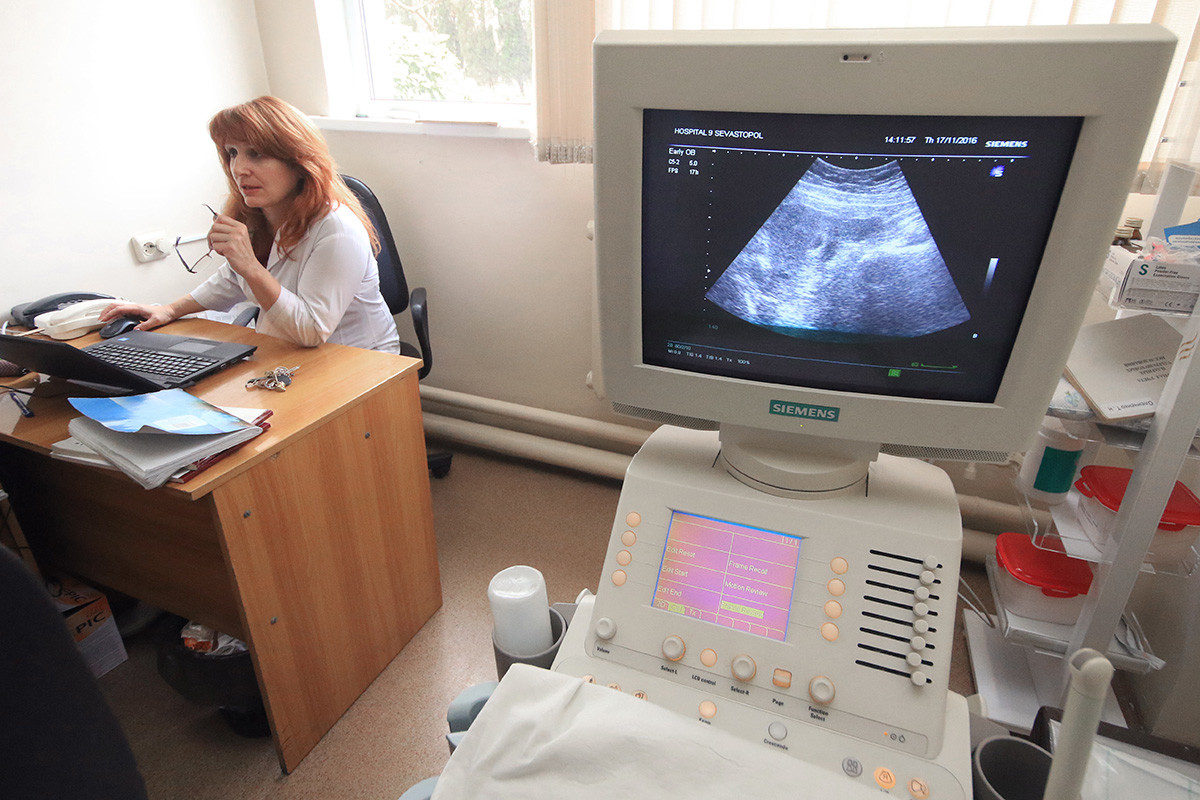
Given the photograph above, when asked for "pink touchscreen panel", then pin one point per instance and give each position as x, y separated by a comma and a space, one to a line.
729, 574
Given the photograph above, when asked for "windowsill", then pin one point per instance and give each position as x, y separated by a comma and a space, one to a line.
379, 125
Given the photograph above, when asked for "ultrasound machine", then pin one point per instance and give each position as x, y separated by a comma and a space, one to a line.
824, 258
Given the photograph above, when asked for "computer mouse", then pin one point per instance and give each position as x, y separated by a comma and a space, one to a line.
118, 326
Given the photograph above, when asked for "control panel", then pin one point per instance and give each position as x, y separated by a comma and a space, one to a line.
821, 628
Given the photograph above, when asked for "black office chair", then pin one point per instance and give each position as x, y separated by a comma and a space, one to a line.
59, 737
395, 292
394, 289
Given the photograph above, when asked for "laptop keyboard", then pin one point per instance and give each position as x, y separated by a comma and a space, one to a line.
135, 359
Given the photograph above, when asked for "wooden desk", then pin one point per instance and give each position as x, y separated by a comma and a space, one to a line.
313, 543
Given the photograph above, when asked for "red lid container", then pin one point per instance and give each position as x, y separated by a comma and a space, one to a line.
1056, 574
1108, 484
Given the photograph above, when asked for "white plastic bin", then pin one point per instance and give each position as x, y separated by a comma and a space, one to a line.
1103, 489
1040, 584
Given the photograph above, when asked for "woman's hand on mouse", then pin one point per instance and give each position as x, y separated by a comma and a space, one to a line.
152, 315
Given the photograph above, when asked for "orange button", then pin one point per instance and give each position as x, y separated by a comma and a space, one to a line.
839, 565
885, 778
619, 577
633, 519
708, 657
919, 789
624, 557
708, 709
833, 609
629, 538
836, 587
782, 678
829, 631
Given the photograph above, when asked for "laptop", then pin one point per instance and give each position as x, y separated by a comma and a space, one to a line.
133, 362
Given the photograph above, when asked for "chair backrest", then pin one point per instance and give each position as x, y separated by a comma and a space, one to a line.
391, 274
59, 738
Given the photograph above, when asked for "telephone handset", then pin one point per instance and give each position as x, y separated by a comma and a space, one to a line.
64, 315
24, 313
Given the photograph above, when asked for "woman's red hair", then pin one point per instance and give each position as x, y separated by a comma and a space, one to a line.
277, 129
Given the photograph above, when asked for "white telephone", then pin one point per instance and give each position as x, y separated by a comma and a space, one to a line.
73, 320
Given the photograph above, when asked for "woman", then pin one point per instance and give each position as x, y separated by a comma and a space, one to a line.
296, 241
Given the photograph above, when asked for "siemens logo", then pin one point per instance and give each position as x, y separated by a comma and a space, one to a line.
826, 413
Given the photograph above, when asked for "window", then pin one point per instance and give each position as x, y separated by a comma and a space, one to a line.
474, 60
444, 60
1175, 133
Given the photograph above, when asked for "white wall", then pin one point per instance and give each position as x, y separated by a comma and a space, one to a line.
499, 241
104, 136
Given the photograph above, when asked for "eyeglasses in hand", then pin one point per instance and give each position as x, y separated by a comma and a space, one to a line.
192, 267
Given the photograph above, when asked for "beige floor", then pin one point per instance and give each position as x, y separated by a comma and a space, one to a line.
489, 513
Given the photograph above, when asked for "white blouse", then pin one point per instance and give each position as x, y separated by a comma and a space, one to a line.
330, 289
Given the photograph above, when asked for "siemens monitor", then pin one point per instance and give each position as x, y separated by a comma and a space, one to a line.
828, 242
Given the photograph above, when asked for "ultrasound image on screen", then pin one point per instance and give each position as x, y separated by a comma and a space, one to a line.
847, 253
871, 254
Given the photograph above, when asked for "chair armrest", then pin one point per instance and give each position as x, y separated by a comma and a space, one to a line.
246, 316
418, 303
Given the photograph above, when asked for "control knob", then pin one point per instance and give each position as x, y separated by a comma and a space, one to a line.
673, 648
821, 690
605, 628
743, 667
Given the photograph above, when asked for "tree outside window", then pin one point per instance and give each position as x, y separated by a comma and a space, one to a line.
473, 51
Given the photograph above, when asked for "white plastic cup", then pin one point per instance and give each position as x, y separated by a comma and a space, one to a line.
1050, 465
520, 611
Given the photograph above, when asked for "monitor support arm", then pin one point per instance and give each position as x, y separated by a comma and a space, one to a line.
795, 465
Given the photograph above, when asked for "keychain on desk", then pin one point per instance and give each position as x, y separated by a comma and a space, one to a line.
277, 379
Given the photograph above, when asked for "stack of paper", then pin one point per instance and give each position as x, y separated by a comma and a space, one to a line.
151, 437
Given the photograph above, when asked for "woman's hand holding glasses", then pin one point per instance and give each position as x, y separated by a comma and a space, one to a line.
230, 239
192, 267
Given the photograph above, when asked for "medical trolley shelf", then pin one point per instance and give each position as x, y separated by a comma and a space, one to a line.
1058, 527
1167, 444
1051, 637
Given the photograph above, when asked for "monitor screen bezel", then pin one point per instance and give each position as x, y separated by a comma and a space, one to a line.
1097, 73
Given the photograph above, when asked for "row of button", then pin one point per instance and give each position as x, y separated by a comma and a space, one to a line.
624, 557
886, 779
820, 689
640, 695
833, 608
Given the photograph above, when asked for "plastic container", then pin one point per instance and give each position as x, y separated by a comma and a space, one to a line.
1103, 489
1040, 584
1051, 463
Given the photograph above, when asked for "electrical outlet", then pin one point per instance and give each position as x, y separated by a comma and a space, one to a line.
149, 246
